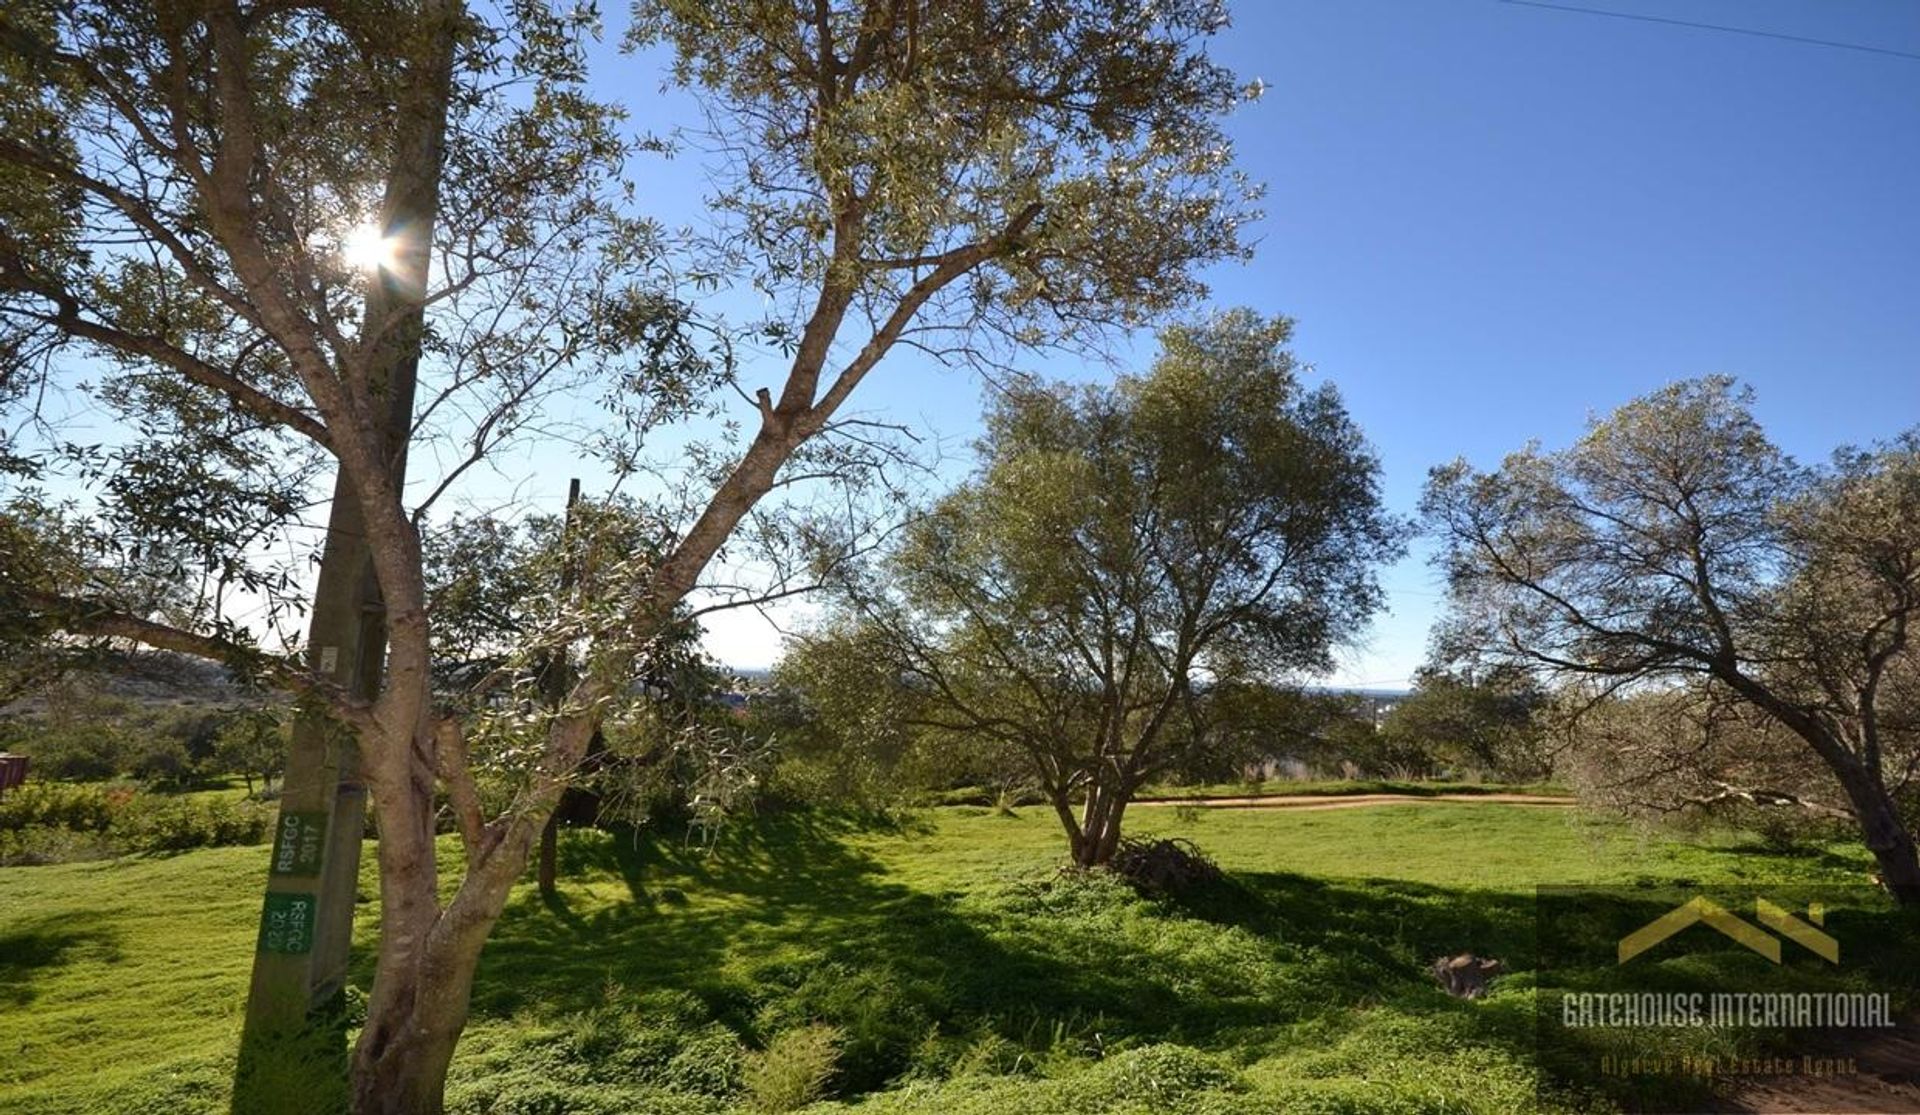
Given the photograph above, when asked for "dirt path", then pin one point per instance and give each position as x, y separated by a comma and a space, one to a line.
1355, 801
1877, 1074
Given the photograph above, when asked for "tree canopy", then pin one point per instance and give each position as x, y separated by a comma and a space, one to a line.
1124, 547
1675, 542
177, 186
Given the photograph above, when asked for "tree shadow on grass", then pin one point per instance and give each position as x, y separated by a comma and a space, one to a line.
1377, 938
1815, 859
650, 910
45, 944
789, 919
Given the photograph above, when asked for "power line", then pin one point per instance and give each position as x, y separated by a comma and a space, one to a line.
1783, 37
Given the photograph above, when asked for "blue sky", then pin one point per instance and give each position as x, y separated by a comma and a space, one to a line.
1491, 220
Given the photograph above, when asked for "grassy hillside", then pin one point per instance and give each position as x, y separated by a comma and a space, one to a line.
956, 970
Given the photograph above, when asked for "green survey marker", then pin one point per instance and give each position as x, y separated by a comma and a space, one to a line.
299, 843
286, 925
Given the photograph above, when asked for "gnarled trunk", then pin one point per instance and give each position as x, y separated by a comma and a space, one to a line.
1884, 832
1882, 829
419, 1010
423, 980
549, 871
1097, 835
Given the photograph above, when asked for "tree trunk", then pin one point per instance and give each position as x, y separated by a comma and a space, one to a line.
1098, 835
421, 991
423, 979
549, 853
1084, 838
1085, 848
1881, 828
400, 1063
1884, 833
1110, 840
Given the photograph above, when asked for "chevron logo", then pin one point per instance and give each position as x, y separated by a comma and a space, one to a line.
1700, 910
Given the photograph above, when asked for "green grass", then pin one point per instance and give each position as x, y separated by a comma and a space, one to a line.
961, 973
1346, 787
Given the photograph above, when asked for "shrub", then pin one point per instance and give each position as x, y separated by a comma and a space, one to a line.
793, 1070
1156, 1076
163, 762
154, 823
43, 844
51, 805
988, 1054
708, 1062
119, 821
78, 753
655, 1054
1161, 1079
1071, 896
882, 1017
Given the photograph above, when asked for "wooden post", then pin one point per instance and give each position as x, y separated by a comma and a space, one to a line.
558, 680
306, 919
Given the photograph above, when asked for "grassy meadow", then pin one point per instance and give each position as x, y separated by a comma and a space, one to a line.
936, 964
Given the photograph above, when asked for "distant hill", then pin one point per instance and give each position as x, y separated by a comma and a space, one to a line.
150, 678
1376, 694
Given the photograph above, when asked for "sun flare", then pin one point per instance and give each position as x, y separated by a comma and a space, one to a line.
367, 249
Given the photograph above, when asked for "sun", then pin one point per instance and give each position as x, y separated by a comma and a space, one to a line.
367, 249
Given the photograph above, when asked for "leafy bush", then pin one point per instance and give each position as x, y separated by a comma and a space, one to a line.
43, 844
162, 762
90, 739
1071, 896
48, 822
78, 752
793, 1070
253, 743
1156, 1076
526, 1090
1159, 1079
880, 1015
52, 805
708, 1062
660, 1054
155, 823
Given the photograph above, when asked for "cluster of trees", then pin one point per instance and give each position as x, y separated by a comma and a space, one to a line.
1449, 726
975, 181
1672, 612
1125, 553
1687, 755
176, 184
72, 732
1456, 723
845, 727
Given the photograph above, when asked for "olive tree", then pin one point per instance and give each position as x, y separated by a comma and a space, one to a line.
252, 743
1695, 752
176, 182
1125, 547
1488, 724
1674, 545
